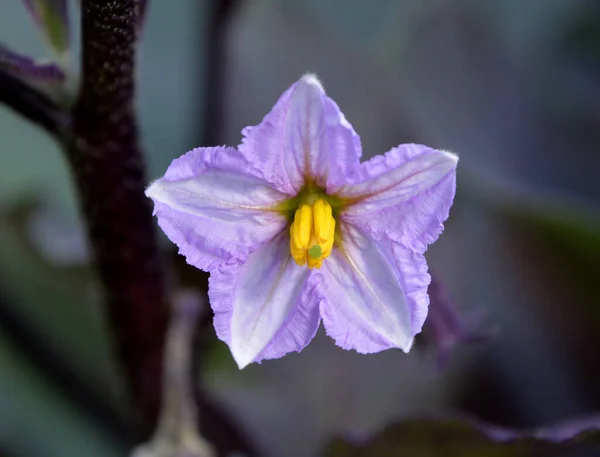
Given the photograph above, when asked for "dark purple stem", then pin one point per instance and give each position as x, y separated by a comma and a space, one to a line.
110, 176
33, 105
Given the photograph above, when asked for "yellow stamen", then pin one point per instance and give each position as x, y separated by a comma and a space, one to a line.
312, 234
323, 219
300, 232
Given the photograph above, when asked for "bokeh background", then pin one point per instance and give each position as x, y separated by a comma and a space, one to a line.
512, 86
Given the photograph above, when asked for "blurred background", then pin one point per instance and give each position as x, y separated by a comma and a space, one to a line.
512, 86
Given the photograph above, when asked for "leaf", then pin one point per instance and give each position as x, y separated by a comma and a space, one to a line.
51, 16
570, 231
565, 227
573, 236
461, 437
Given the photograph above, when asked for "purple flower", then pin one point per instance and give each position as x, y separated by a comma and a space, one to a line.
294, 230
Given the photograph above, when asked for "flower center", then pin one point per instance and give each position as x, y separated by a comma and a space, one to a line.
312, 233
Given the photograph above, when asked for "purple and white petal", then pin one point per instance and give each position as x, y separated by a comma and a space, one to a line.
265, 307
305, 136
211, 205
368, 303
412, 273
406, 194
344, 146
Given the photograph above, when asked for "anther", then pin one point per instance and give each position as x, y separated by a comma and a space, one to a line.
312, 234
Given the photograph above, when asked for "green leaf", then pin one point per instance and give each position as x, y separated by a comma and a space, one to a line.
570, 233
561, 234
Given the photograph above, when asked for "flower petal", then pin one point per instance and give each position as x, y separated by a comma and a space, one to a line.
265, 307
214, 208
372, 301
406, 194
411, 270
344, 147
304, 136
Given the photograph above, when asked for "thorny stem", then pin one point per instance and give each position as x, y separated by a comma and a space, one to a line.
110, 177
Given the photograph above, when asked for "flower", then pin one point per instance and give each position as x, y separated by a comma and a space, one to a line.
294, 230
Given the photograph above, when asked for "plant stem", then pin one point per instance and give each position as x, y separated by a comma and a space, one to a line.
110, 177
33, 105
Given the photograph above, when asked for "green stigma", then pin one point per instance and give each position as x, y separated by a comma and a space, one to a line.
315, 251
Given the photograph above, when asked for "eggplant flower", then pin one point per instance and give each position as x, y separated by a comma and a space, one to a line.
294, 230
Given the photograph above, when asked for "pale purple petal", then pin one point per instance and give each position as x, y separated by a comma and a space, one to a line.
214, 208
412, 272
369, 303
344, 147
406, 194
300, 327
266, 306
51, 16
304, 136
